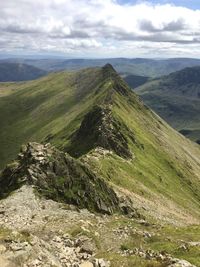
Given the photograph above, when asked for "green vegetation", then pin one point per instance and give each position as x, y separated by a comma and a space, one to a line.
117, 143
175, 241
176, 99
164, 167
172, 240
38, 110
4, 233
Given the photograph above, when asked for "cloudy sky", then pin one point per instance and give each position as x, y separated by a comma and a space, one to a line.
101, 28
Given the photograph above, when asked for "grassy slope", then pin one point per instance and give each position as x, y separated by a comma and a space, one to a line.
166, 166
176, 98
178, 104
167, 238
166, 170
41, 108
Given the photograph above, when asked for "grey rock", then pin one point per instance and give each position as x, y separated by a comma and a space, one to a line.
86, 264
88, 247
2, 249
57, 177
101, 263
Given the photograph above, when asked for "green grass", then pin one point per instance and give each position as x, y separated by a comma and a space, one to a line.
164, 238
46, 107
176, 99
4, 233
159, 168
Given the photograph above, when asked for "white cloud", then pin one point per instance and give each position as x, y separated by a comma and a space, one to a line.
98, 27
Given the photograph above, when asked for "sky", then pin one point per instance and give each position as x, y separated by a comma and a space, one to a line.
100, 28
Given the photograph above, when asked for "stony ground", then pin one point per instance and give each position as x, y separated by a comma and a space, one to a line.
35, 232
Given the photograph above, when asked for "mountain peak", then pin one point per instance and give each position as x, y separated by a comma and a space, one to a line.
118, 84
109, 70
108, 66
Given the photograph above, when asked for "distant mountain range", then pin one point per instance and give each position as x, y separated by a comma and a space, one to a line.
10, 72
176, 98
135, 66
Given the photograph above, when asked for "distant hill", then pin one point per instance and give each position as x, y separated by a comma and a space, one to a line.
10, 72
135, 80
176, 98
135, 66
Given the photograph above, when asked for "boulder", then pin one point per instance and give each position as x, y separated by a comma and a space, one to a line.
2, 249
181, 263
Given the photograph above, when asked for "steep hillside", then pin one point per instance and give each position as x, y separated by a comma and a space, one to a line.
41, 109
81, 111
10, 72
176, 98
134, 80
117, 158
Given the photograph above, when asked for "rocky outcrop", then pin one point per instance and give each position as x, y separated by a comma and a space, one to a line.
58, 176
165, 258
61, 251
100, 129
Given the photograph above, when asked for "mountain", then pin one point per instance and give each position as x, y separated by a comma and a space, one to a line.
176, 98
129, 66
108, 153
134, 80
19, 72
83, 110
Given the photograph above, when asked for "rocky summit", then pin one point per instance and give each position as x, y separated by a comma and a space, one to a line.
100, 129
